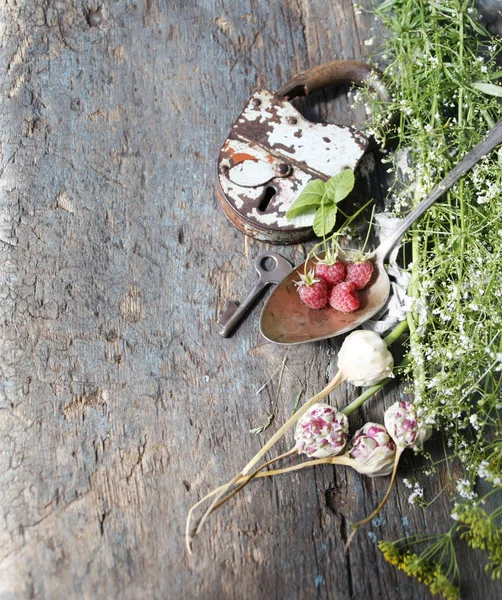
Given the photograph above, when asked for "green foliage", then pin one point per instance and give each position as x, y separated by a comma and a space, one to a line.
310, 198
322, 197
442, 65
488, 88
484, 532
324, 220
340, 185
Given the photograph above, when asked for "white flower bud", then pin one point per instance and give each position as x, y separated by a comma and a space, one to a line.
373, 451
321, 432
403, 425
364, 358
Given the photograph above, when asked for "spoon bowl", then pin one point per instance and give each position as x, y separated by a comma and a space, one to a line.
286, 320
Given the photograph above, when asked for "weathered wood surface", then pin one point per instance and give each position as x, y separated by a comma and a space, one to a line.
120, 403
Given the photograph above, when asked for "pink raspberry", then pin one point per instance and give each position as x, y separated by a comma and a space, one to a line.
344, 297
315, 294
359, 273
332, 273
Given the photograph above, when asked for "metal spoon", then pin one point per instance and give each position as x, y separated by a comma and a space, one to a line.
285, 320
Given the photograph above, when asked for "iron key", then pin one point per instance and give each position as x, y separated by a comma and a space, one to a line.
232, 314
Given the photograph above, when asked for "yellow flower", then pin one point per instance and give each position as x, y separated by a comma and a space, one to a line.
428, 572
390, 552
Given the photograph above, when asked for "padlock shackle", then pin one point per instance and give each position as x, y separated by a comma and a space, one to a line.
338, 72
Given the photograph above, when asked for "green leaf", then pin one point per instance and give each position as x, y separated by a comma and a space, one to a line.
324, 220
387, 5
340, 185
488, 88
311, 196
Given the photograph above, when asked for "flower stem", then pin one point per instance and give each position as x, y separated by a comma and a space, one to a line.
331, 460
254, 474
356, 526
396, 333
258, 473
366, 395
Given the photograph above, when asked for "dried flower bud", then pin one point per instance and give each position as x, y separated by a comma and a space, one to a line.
403, 425
321, 432
364, 358
373, 450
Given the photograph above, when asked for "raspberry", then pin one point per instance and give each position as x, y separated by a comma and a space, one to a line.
315, 294
359, 273
344, 297
332, 274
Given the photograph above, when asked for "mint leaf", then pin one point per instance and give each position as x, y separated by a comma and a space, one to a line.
324, 220
340, 185
311, 196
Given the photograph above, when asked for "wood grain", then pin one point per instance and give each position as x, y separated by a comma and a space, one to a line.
120, 404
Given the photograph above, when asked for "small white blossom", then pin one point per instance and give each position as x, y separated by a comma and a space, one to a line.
473, 420
417, 493
483, 471
464, 489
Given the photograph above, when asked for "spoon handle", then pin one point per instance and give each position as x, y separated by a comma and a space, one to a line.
494, 138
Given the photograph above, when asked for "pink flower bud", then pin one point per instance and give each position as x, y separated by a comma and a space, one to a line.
372, 450
321, 432
404, 427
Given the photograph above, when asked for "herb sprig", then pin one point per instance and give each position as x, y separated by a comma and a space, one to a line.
322, 198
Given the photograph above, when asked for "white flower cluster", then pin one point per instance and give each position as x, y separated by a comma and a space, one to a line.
464, 489
474, 421
418, 491
485, 472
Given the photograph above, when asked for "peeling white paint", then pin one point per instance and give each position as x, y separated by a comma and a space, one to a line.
329, 157
250, 173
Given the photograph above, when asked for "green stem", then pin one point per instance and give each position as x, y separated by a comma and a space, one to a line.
332, 238
396, 333
460, 119
366, 395
412, 317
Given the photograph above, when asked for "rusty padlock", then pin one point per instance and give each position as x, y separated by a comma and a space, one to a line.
272, 152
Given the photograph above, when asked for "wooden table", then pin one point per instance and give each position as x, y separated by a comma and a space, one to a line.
121, 405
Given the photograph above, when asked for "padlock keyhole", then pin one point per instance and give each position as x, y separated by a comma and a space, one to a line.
270, 192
